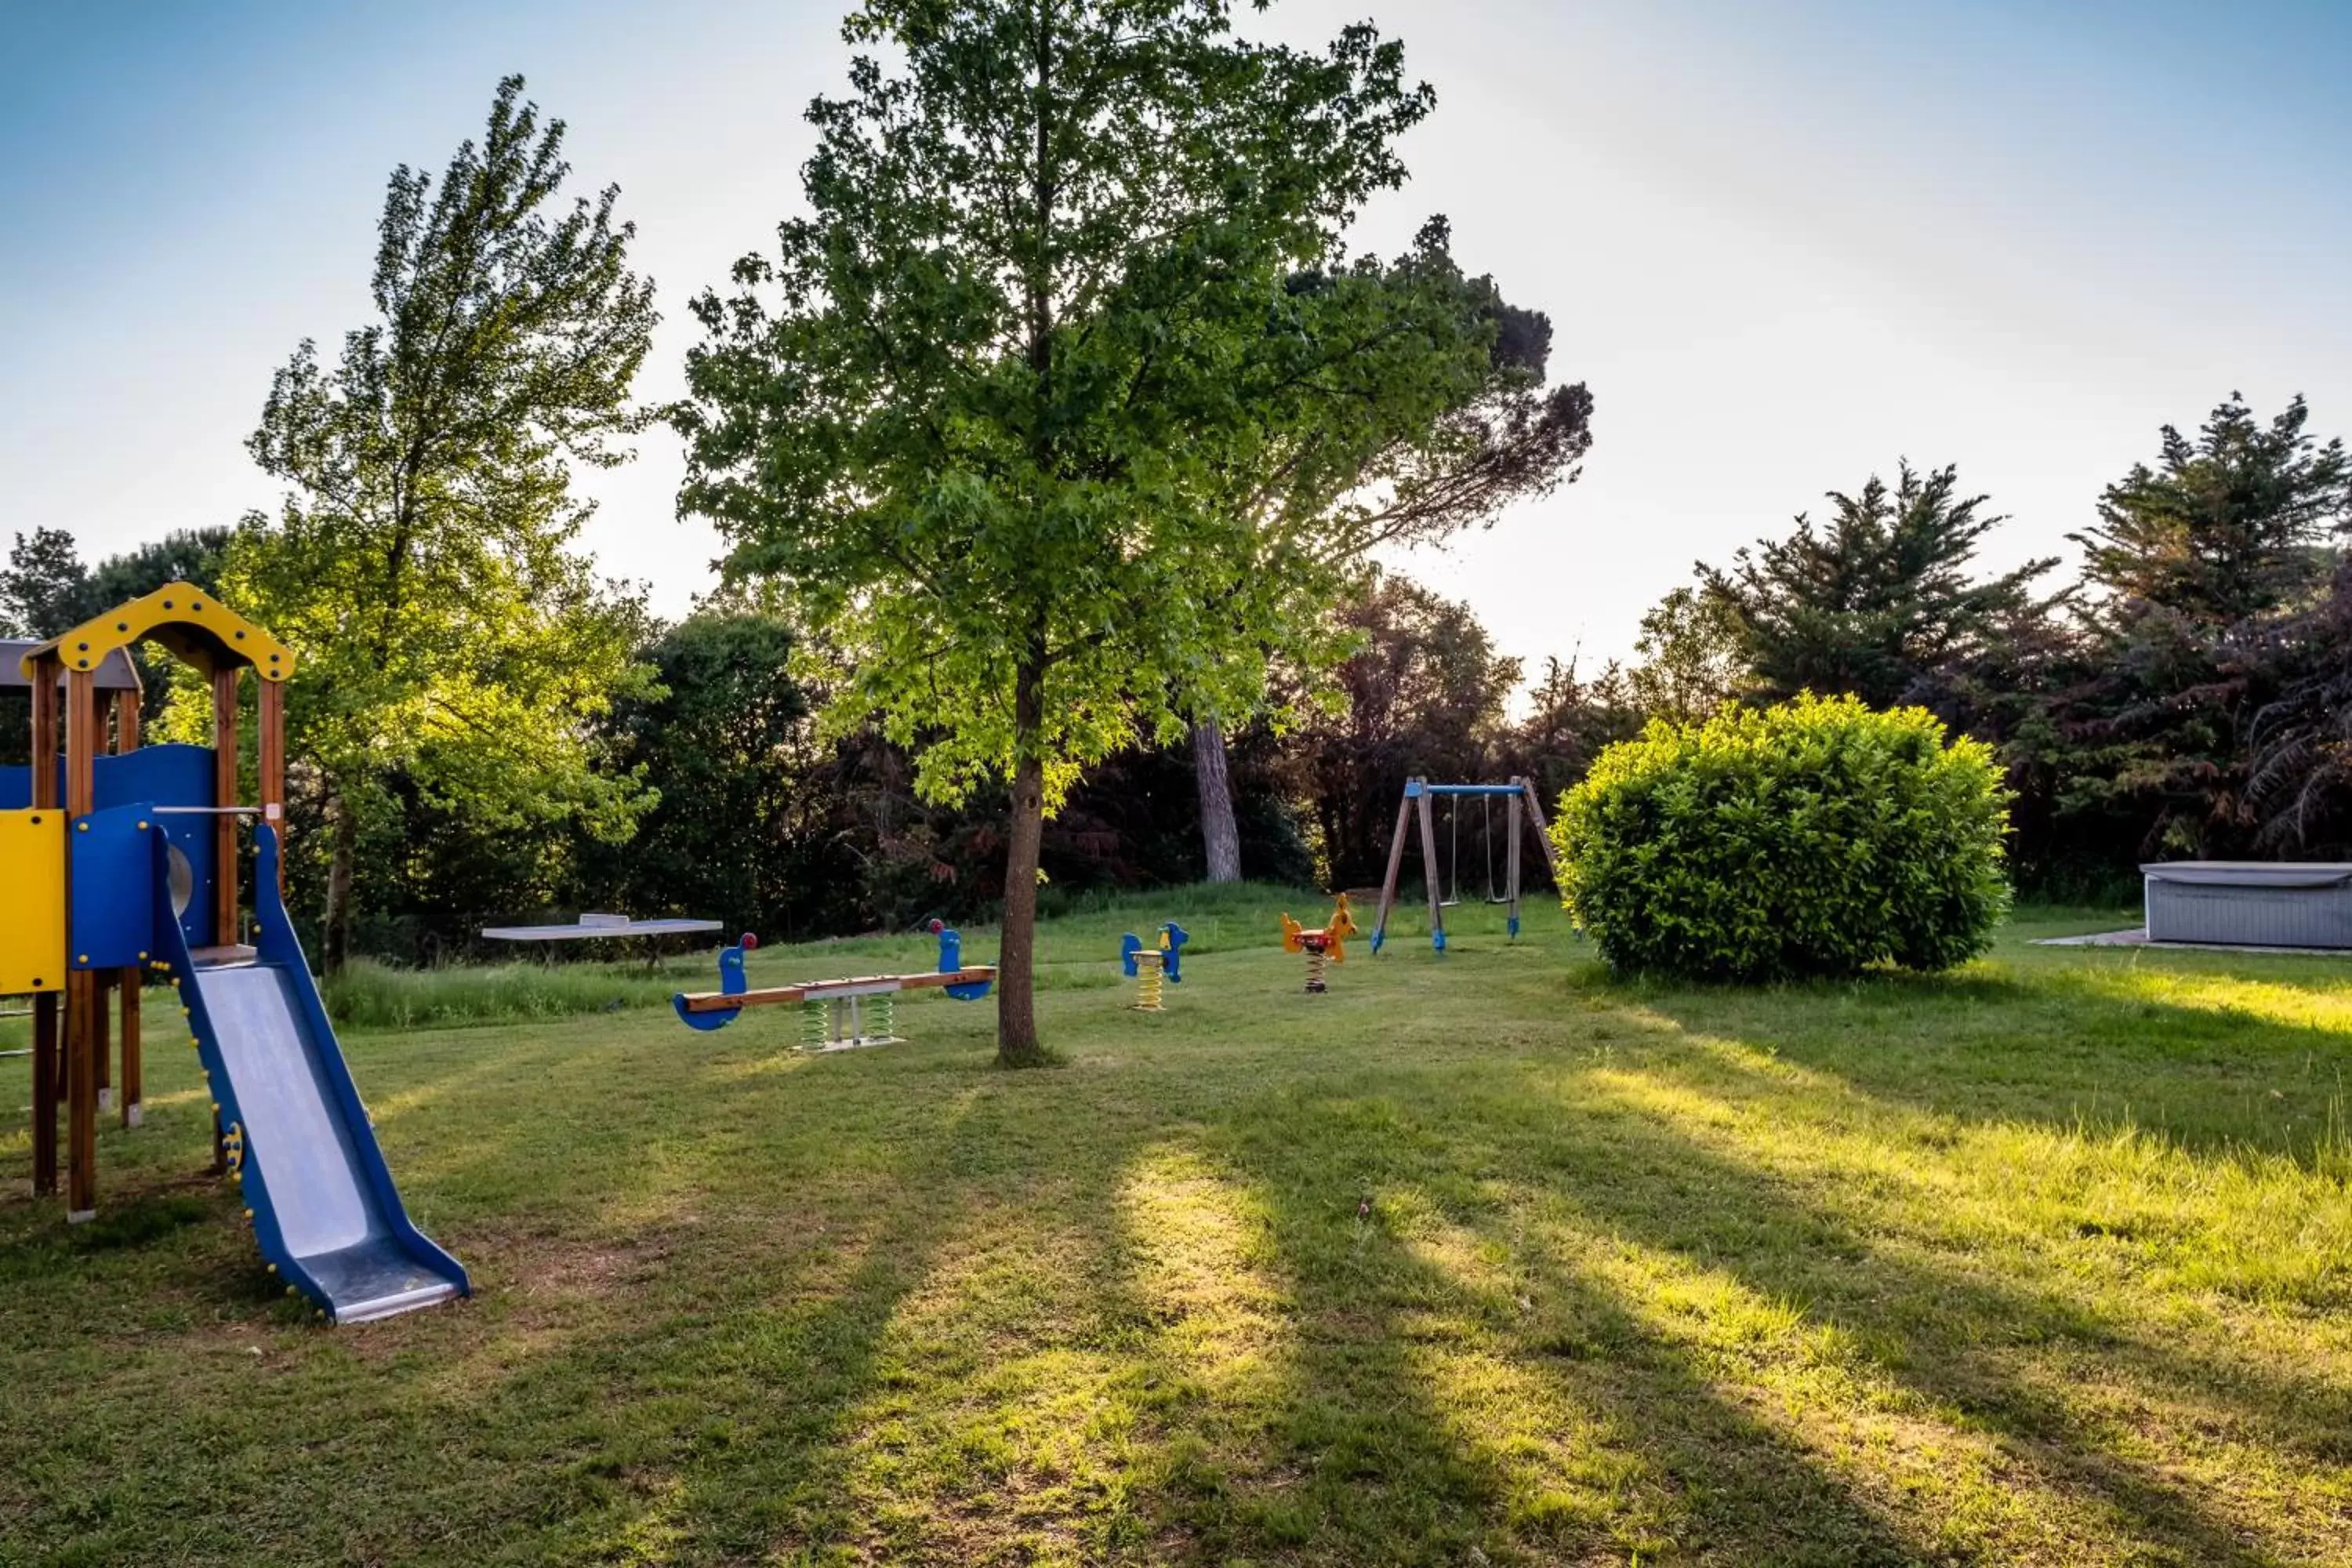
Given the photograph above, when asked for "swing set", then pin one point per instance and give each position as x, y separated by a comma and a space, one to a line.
1419, 796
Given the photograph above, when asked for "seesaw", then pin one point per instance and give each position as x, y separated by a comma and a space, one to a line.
839, 1014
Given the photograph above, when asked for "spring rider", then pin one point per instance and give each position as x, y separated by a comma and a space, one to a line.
1323, 947
1153, 968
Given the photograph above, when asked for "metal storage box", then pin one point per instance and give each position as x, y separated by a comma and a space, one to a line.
2250, 903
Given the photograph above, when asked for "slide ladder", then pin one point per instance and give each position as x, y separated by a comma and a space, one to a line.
324, 1210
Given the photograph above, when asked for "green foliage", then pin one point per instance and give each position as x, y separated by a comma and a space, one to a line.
1571, 719
1880, 599
1814, 838
46, 590
979, 414
450, 642
1424, 693
2229, 526
1693, 656
184, 555
742, 831
45, 587
2207, 573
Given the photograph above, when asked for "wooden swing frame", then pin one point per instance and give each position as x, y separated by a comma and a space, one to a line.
1420, 794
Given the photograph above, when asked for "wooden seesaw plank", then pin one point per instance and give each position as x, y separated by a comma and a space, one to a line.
820, 990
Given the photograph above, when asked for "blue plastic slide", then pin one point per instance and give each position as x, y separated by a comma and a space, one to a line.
324, 1210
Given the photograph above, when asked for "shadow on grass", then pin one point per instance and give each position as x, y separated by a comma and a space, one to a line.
2067, 1048
909, 1309
1370, 1458
1940, 1332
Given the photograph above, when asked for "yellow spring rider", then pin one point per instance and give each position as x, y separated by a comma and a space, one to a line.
1322, 948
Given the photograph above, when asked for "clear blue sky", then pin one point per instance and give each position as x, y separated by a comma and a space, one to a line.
1786, 242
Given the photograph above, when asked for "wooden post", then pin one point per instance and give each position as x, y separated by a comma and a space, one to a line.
1511, 861
46, 1066
1543, 830
129, 980
1396, 864
272, 746
225, 794
1429, 874
101, 1035
83, 1046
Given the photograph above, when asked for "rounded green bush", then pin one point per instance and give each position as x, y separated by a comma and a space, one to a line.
1812, 839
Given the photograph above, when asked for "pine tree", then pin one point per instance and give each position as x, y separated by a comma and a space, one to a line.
2207, 575
1879, 599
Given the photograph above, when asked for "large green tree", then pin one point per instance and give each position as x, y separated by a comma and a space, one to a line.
1879, 597
45, 587
975, 413
1424, 691
1692, 656
2228, 526
449, 637
2205, 584
1439, 430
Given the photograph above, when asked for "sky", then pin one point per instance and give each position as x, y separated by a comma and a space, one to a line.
1787, 244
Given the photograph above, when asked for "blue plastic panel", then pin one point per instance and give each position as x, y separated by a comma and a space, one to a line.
168, 775
112, 861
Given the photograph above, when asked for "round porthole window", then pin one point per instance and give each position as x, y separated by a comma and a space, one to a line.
183, 881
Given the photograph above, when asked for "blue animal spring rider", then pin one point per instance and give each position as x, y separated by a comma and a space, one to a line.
1155, 968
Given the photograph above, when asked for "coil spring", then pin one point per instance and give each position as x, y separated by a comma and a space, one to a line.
1317, 961
1151, 983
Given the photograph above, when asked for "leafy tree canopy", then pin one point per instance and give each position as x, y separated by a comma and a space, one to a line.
2227, 526
1693, 653
2199, 722
1424, 690
1068, 266
45, 586
1883, 595
421, 559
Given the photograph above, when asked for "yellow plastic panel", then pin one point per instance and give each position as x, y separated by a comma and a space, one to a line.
32, 901
191, 623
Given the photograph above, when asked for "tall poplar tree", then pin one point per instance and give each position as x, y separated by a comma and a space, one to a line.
975, 414
420, 561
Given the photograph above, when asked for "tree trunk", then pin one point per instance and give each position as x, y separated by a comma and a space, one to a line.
335, 946
1218, 833
1017, 1045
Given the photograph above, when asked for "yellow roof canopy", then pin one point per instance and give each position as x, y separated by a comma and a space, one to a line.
192, 625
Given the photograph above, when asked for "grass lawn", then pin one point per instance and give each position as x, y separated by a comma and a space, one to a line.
1485, 1260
